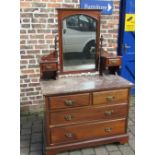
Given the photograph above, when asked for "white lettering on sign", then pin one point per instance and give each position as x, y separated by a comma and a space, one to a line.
96, 6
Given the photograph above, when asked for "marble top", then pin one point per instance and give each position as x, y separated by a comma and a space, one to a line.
65, 85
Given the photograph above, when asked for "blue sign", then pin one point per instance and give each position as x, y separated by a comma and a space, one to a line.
105, 6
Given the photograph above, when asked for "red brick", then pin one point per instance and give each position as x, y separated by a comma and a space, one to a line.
41, 41
35, 80
49, 36
27, 71
34, 75
33, 52
24, 36
27, 90
34, 84
32, 61
44, 46
22, 42
32, 41
27, 56
25, 4
35, 36
38, 25
54, 5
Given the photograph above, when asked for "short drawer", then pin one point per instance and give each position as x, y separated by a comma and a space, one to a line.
88, 114
110, 97
114, 62
69, 101
87, 131
49, 67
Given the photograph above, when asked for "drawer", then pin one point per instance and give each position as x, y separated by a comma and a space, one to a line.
88, 114
114, 62
111, 97
69, 101
87, 131
49, 67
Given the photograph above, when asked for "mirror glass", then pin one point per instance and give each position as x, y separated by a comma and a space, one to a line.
79, 42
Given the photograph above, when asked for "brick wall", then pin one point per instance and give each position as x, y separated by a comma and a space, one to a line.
38, 28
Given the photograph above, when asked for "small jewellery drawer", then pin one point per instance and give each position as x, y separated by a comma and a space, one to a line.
87, 131
111, 97
114, 62
49, 67
69, 101
77, 115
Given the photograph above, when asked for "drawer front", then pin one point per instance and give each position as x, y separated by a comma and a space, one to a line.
88, 114
69, 101
87, 131
114, 62
111, 97
49, 67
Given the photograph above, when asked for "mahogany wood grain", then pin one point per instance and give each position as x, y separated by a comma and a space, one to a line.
111, 97
69, 101
85, 114
87, 131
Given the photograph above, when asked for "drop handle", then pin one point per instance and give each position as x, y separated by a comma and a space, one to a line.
114, 62
69, 102
69, 135
110, 98
108, 129
68, 117
109, 113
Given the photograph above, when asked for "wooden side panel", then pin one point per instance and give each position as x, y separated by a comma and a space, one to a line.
87, 131
69, 101
111, 97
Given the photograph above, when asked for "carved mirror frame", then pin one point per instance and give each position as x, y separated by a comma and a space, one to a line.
62, 14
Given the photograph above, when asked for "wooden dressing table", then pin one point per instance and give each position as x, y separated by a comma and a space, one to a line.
82, 109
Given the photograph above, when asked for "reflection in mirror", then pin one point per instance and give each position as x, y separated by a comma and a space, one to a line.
79, 42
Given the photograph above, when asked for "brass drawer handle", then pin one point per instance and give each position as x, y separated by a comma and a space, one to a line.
69, 102
114, 62
110, 98
69, 135
109, 113
68, 117
108, 129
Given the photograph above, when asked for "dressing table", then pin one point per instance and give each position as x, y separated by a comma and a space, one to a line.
82, 108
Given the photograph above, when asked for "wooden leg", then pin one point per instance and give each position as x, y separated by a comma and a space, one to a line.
123, 141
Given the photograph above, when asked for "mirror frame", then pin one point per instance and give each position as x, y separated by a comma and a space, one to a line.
63, 13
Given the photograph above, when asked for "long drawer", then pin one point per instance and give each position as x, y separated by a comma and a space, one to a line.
88, 131
111, 97
67, 101
88, 114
